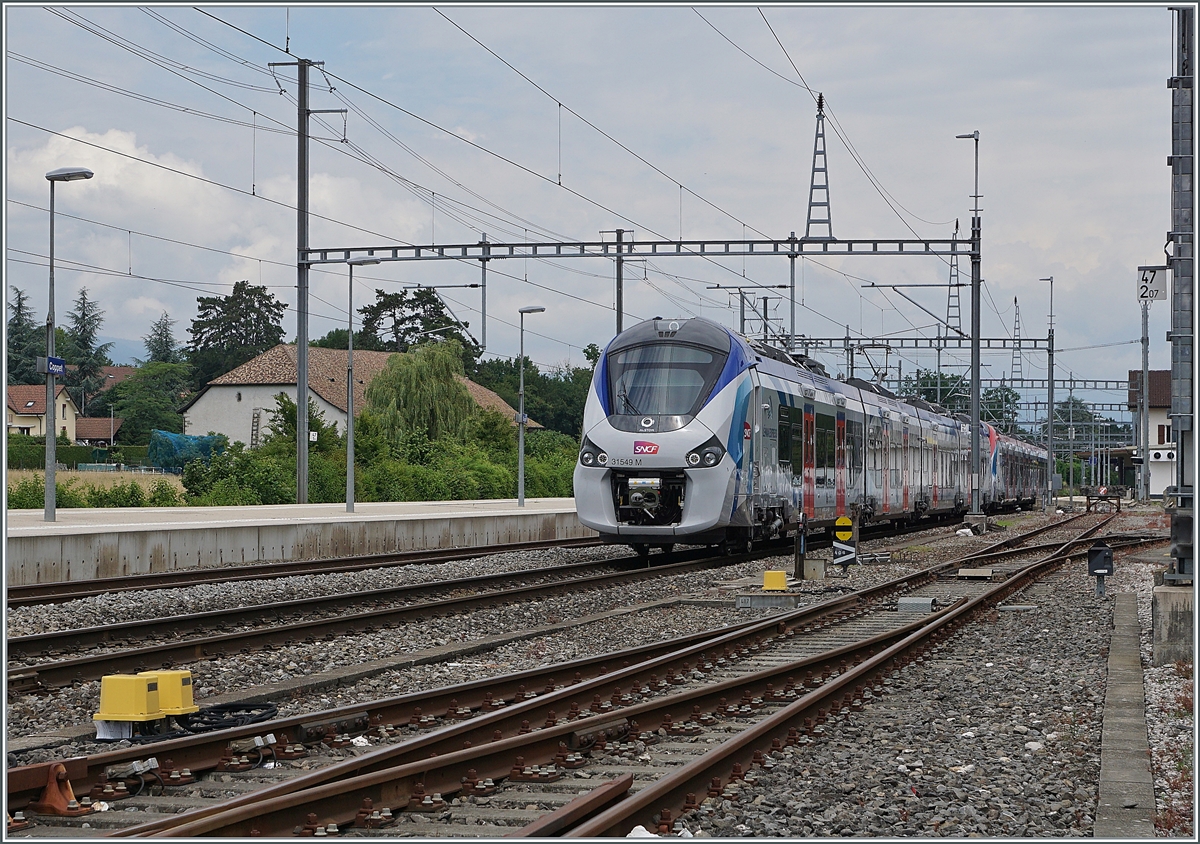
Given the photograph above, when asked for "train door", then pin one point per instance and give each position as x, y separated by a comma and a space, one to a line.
786, 476
756, 438
905, 459
934, 473
886, 449
810, 460
840, 462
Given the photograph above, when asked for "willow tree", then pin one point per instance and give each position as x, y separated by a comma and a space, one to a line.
417, 392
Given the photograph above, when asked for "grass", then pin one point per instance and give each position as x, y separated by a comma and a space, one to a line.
105, 480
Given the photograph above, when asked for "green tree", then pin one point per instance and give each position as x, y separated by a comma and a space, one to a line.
592, 352
149, 399
281, 433
161, 345
394, 322
26, 341
554, 399
83, 326
230, 330
1000, 406
928, 384
417, 392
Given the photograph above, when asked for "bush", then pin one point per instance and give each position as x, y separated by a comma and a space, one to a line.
227, 493
164, 494
28, 494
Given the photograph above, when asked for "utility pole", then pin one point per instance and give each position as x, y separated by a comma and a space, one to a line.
1144, 408
1051, 464
1181, 256
976, 238
302, 114
792, 294
483, 292
620, 282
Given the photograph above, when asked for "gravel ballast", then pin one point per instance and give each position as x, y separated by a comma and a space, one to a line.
996, 734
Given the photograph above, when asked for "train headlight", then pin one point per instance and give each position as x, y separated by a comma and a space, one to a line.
707, 455
590, 455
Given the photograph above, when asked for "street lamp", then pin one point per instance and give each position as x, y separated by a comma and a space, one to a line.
62, 174
976, 227
358, 262
532, 309
1050, 401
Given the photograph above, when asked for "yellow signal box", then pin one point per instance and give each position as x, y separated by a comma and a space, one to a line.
774, 581
129, 697
174, 691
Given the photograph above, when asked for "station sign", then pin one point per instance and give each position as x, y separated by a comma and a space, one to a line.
1152, 283
51, 366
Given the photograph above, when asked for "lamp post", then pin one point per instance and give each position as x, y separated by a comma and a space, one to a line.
1050, 401
975, 315
62, 174
360, 262
533, 309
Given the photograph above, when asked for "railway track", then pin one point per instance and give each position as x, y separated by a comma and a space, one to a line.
800, 641
57, 658
46, 593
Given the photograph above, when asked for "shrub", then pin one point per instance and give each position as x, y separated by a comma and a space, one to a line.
164, 494
226, 492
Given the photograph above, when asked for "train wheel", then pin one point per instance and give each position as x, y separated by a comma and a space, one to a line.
667, 549
642, 550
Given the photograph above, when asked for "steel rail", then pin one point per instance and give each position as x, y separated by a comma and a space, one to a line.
54, 673
166, 654
45, 593
23, 647
442, 772
672, 791
203, 752
484, 728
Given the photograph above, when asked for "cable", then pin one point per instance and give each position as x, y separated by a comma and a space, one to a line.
658, 170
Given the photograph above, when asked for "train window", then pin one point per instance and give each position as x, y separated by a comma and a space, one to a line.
785, 439
875, 447
664, 379
854, 446
825, 450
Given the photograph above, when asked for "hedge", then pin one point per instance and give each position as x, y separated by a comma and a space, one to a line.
34, 456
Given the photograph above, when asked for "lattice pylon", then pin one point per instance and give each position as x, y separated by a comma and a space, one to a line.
1018, 375
953, 312
818, 191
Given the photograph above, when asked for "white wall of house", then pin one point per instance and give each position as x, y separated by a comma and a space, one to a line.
64, 412
229, 409
1162, 453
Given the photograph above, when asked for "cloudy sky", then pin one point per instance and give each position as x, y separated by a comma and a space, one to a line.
562, 123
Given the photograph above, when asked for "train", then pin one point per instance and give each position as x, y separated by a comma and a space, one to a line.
694, 434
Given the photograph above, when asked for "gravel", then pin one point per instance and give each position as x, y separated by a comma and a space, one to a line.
1006, 745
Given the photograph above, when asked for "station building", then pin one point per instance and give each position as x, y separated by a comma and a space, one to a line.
1161, 451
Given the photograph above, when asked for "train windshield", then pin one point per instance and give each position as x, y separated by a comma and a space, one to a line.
662, 379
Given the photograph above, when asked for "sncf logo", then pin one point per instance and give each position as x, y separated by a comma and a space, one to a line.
643, 447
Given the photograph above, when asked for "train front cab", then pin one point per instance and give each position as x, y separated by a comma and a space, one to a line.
659, 458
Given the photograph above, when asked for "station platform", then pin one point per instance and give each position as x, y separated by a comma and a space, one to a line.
87, 543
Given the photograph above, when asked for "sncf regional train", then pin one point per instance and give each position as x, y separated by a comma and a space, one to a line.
694, 434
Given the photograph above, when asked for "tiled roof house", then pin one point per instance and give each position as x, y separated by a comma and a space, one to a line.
239, 403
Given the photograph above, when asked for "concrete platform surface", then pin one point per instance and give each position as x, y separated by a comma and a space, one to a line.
116, 542
81, 520
1125, 808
